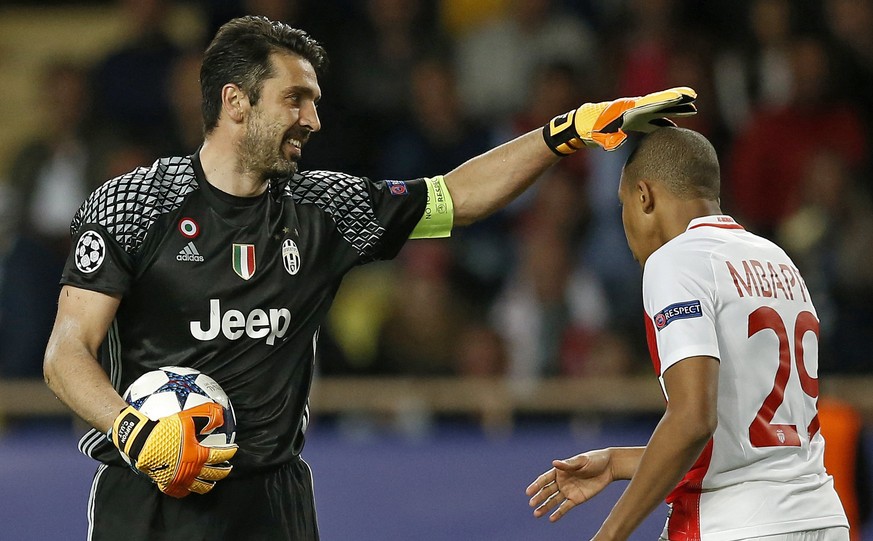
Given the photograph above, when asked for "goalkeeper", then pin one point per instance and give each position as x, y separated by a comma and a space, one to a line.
274, 244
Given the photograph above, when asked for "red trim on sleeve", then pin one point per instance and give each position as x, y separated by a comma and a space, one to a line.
652, 340
684, 521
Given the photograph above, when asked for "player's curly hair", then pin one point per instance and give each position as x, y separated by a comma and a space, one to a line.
240, 54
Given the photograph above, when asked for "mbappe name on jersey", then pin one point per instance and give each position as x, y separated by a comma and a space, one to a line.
767, 279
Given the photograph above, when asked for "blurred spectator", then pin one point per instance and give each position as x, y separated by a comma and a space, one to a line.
552, 311
362, 304
647, 41
484, 252
131, 83
184, 95
830, 236
418, 336
49, 178
767, 166
849, 23
482, 352
756, 73
555, 86
604, 248
461, 16
691, 65
434, 136
496, 62
845, 458
54, 173
373, 62
8, 229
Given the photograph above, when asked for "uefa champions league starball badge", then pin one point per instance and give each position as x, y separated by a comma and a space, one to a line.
90, 252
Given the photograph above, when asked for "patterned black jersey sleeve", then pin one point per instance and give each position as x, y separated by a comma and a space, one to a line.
375, 218
111, 225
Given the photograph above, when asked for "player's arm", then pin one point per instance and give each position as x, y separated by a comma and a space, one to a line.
71, 368
678, 440
166, 450
488, 182
577, 479
654, 470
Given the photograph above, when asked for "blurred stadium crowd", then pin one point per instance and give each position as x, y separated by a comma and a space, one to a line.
547, 286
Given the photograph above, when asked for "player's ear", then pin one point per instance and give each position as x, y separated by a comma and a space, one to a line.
234, 102
645, 196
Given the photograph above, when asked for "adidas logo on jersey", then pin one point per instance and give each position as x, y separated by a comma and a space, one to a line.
189, 253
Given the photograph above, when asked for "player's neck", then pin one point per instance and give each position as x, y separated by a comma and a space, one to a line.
686, 211
222, 169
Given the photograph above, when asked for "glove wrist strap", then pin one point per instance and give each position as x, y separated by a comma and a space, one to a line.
560, 135
130, 431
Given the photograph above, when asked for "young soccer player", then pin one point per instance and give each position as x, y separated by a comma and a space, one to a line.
733, 335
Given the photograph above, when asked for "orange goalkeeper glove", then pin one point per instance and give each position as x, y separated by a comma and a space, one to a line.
605, 124
168, 452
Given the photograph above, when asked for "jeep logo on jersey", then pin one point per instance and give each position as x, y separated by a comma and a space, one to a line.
90, 252
244, 260
291, 256
233, 324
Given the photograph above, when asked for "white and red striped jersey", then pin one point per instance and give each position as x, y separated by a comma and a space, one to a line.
717, 290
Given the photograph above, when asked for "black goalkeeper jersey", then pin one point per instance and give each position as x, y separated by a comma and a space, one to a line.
234, 287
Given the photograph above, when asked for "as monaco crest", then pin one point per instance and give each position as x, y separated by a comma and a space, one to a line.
244, 260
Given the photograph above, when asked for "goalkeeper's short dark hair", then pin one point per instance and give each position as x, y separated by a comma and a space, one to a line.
681, 159
240, 54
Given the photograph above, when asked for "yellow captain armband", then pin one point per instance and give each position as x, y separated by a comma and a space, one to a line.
439, 213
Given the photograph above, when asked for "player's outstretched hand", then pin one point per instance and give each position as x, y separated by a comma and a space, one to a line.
570, 482
606, 124
167, 450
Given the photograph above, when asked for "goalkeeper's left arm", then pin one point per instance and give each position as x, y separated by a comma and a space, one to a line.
488, 182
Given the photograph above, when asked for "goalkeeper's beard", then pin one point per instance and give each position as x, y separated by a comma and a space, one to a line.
260, 149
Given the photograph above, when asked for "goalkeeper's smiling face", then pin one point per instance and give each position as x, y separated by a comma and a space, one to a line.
280, 123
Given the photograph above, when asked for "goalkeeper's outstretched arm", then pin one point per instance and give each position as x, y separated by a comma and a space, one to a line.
490, 181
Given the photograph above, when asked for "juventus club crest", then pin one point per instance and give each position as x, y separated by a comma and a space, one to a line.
290, 256
244, 260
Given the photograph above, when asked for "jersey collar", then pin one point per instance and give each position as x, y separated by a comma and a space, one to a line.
722, 221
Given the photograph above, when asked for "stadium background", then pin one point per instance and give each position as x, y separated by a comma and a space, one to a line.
451, 376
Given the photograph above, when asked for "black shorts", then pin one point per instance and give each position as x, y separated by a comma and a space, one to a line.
277, 504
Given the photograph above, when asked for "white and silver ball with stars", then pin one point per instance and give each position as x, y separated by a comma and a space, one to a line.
172, 389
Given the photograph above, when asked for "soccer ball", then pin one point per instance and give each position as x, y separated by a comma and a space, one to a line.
172, 389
